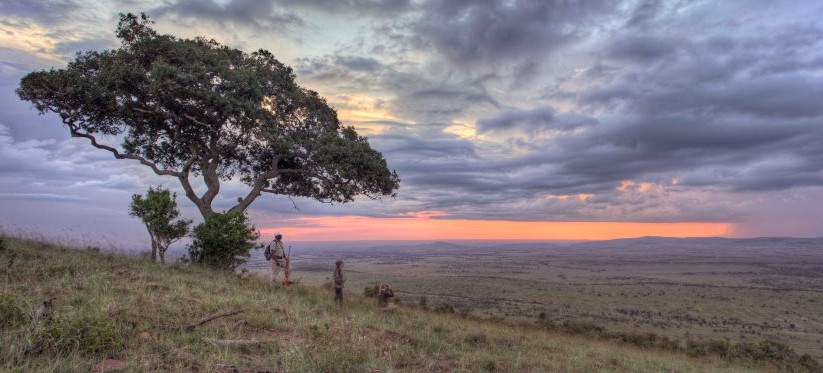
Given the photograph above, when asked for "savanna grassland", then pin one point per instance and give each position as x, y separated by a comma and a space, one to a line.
152, 317
700, 290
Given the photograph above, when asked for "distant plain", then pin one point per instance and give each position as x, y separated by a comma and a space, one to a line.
743, 290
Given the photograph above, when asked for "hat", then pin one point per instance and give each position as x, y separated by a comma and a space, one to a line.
277, 234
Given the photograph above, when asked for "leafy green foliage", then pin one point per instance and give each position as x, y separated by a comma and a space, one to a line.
194, 107
223, 241
158, 211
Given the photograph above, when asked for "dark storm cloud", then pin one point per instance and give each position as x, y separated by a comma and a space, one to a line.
644, 48
693, 110
532, 121
48, 12
259, 13
351, 6
644, 13
483, 32
412, 145
417, 96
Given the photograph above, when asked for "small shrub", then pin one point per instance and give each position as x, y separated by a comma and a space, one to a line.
444, 308
90, 334
371, 291
695, 348
810, 363
478, 338
766, 350
547, 324
2, 244
641, 339
490, 366
223, 241
10, 313
719, 347
582, 328
423, 302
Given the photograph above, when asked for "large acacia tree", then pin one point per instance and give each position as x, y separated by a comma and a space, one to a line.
193, 108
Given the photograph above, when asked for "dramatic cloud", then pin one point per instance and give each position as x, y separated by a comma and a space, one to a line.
49, 11
532, 121
631, 110
471, 33
351, 6
258, 13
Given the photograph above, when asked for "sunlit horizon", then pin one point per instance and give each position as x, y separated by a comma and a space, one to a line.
358, 228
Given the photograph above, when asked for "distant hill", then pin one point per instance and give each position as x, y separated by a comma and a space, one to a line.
703, 243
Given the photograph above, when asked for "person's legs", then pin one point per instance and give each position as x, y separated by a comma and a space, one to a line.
338, 296
275, 269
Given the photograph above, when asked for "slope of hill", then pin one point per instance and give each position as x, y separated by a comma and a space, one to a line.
146, 315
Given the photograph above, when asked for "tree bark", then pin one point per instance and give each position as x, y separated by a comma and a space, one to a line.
163, 253
153, 243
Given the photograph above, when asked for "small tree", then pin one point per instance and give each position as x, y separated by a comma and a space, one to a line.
223, 241
158, 211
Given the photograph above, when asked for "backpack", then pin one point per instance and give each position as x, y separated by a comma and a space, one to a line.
267, 252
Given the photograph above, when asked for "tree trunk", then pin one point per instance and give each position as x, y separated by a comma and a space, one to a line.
153, 244
163, 253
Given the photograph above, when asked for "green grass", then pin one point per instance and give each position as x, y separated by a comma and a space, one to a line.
119, 307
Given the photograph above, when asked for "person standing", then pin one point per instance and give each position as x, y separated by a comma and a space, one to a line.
339, 283
278, 256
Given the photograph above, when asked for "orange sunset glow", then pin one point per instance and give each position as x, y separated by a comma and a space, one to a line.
424, 228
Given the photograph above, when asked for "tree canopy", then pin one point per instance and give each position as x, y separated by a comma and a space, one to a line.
190, 108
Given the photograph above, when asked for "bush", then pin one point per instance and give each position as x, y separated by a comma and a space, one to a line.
423, 302
444, 308
547, 324
644, 339
371, 291
2, 243
766, 350
582, 328
810, 363
10, 313
719, 347
223, 241
90, 334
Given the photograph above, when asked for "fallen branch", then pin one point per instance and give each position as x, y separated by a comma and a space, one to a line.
206, 319
235, 342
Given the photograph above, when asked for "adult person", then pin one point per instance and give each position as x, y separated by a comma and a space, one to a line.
278, 256
339, 283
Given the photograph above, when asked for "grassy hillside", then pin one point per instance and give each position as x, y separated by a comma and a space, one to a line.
110, 306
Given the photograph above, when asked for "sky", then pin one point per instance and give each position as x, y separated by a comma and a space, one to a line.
505, 119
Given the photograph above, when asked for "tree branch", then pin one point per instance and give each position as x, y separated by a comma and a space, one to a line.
206, 319
118, 155
258, 186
